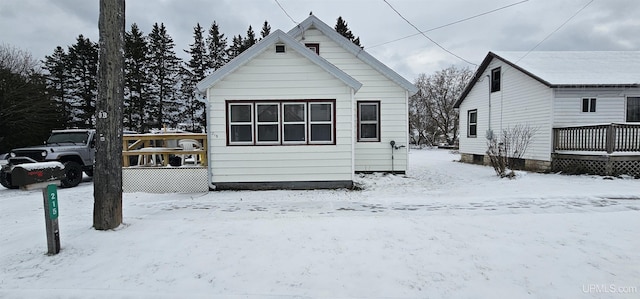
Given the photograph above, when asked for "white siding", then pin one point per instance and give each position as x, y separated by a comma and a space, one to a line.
610, 105
371, 156
280, 76
521, 100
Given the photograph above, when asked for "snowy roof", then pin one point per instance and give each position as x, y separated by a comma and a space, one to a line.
313, 22
579, 67
276, 37
569, 68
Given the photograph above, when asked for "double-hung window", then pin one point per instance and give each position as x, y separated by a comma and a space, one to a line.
281, 122
369, 121
240, 123
267, 123
321, 123
294, 123
472, 123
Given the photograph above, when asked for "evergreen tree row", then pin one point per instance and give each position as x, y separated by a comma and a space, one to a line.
160, 88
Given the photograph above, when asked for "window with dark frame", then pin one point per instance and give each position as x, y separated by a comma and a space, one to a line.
633, 109
588, 105
472, 123
281, 122
280, 48
369, 121
495, 79
315, 47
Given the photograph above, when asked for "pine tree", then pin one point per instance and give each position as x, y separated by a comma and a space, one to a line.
218, 54
266, 30
57, 66
164, 70
195, 71
343, 28
136, 80
236, 47
250, 40
83, 61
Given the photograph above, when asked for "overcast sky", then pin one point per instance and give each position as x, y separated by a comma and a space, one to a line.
38, 26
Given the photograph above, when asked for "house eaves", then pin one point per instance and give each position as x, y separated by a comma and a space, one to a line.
483, 66
277, 37
313, 22
547, 64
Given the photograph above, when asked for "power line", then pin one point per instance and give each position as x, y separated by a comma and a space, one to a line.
556, 30
286, 13
437, 44
449, 24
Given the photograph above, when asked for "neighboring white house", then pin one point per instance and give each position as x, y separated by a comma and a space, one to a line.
304, 109
548, 91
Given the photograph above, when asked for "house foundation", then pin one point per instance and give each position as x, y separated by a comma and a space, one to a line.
520, 164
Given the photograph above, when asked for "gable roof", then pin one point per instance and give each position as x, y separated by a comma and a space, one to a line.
277, 36
313, 22
569, 68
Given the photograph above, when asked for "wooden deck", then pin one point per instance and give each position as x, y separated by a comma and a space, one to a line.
606, 149
607, 138
164, 145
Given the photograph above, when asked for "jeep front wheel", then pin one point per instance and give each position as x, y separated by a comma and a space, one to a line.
73, 174
5, 180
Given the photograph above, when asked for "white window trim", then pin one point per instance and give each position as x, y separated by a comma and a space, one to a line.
590, 101
469, 123
303, 122
241, 123
329, 122
258, 123
368, 122
626, 107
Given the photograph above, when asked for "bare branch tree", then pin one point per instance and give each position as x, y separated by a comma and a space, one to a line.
18, 61
511, 146
431, 111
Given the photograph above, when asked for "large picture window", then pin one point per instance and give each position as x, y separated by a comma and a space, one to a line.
369, 121
633, 109
281, 122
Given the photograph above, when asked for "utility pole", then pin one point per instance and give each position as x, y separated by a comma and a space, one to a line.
107, 186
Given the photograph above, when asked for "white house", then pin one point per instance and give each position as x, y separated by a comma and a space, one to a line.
584, 105
304, 109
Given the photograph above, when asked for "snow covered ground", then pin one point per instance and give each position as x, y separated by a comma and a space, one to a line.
445, 230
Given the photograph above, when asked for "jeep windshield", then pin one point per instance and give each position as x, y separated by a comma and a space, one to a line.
68, 137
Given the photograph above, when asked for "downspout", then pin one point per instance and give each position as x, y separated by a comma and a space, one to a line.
209, 142
489, 134
354, 131
406, 105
